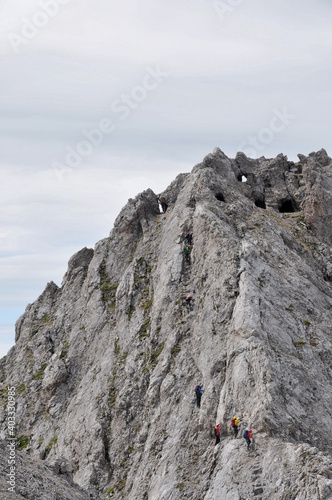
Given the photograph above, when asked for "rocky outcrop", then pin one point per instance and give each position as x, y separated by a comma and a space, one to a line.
291, 187
104, 367
36, 481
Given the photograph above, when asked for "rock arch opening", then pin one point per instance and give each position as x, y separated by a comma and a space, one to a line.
220, 197
288, 206
260, 203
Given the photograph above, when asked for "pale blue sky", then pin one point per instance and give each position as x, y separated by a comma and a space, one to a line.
171, 80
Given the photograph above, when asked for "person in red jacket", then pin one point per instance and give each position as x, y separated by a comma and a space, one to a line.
217, 433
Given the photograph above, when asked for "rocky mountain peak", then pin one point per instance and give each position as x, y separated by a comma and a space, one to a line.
105, 366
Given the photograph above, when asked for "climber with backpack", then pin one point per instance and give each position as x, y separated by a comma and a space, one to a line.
189, 238
235, 425
186, 250
217, 434
198, 392
247, 435
189, 302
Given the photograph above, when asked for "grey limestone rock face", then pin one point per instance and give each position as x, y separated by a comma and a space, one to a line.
105, 366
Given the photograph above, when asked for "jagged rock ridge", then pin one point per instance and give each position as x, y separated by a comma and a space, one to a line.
105, 366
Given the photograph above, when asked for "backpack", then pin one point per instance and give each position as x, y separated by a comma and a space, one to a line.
233, 423
214, 431
245, 434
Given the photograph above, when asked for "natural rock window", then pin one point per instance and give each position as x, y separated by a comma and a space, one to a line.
220, 197
260, 203
162, 205
288, 206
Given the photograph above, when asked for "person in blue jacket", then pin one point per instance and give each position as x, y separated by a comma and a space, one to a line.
247, 435
198, 391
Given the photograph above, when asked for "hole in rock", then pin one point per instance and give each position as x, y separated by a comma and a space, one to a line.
260, 203
192, 203
242, 178
162, 205
220, 197
288, 206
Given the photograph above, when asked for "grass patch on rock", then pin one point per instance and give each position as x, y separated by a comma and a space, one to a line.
155, 354
53, 441
144, 331
39, 374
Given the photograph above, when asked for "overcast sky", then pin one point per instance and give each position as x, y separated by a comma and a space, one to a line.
102, 99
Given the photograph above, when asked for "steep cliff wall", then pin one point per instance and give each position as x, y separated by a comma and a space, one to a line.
105, 366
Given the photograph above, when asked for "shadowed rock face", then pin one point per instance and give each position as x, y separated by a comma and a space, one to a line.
105, 366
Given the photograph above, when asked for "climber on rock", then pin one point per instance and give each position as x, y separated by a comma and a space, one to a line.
198, 391
188, 237
235, 425
247, 435
186, 250
217, 434
190, 302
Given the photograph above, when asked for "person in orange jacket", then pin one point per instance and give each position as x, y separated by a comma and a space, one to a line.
217, 434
